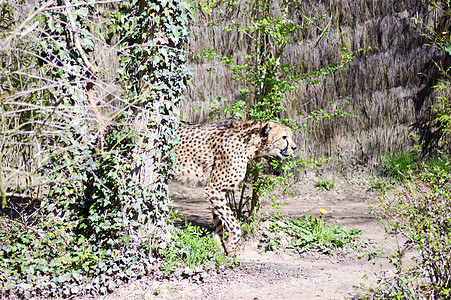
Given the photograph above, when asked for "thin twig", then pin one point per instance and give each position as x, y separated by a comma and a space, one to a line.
324, 32
91, 67
28, 227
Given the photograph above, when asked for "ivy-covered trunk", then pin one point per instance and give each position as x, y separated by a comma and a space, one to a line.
153, 36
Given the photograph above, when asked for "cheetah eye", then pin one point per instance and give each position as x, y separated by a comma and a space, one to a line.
284, 137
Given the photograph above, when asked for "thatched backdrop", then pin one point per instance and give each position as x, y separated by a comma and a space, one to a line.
390, 86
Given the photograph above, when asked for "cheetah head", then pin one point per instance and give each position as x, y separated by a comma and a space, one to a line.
277, 140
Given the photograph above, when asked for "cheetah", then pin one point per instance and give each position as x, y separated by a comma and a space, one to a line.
215, 156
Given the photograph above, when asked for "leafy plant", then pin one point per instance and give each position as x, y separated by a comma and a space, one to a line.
192, 250
311, 233
324, 184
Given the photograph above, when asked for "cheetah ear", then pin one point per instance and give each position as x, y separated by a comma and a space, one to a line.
265, 130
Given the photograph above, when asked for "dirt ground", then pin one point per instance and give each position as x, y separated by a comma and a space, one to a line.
284, 274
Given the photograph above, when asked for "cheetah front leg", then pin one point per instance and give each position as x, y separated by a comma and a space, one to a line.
223, 216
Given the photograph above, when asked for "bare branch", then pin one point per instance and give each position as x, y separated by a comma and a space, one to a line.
91, 67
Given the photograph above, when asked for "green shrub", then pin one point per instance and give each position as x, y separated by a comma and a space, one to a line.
76, 242
421, 212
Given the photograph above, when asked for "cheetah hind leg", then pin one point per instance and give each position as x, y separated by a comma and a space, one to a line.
218, 231
234, 238
232, 226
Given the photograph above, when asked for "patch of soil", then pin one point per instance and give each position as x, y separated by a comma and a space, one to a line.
283, 274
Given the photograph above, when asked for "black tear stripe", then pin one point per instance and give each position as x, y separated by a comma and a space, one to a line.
284, 152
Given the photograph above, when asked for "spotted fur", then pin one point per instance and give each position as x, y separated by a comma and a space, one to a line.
216, 156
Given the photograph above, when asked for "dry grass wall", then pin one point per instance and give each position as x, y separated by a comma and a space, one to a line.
390, 86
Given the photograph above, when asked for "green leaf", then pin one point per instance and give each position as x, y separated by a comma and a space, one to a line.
82, 11
447, 49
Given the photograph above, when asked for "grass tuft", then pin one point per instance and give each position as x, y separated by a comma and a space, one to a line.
401, 165
324, 184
